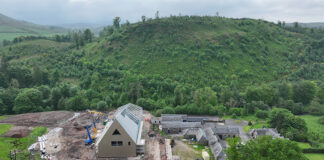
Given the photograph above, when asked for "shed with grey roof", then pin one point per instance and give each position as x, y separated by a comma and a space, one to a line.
254, 133
196, 133
174, 117
226, 132
177, 126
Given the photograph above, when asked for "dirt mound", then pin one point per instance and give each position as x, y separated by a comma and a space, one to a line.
18, 132
39, 119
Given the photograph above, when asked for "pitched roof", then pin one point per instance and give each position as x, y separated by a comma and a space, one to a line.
177, 124
196, 119
214, 144
129, 117
226, 130
173, 117
267, 131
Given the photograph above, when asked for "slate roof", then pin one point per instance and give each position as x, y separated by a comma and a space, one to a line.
226, 130
177, 124
267, 131
196, 119
214, 144
129, 117
173, 117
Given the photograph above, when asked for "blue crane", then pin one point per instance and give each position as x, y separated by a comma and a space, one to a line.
92, 137
90, 140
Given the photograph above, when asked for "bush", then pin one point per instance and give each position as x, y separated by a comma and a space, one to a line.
262, 114
166, 110
236, 111
313, 150
102, 106
321, 120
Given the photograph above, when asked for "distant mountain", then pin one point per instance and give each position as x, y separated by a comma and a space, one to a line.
309, 25
95, 28
11, 28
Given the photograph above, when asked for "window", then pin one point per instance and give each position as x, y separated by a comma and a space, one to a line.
116, 143
116, 132
129, 143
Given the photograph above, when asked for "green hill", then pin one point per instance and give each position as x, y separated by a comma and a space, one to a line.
204, 50
195, 62
11, 28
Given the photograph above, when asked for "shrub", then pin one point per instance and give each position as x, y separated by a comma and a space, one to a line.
236, 111
102, 106
321, 120
262, 114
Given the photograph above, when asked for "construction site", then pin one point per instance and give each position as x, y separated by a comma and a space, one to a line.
129, 133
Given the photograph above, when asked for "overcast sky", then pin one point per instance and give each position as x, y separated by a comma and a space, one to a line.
52, 12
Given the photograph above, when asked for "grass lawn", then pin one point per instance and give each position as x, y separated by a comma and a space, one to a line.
254, 126
314, 126
5, 144
4, 150
303, 145
314, 156
3, 117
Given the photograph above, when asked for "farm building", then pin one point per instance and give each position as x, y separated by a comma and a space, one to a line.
254, 133
122, 135
175, 127
214, 144
196, 133
174, 117
156, 120
226, 132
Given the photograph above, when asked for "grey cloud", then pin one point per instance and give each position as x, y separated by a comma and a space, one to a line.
103, 11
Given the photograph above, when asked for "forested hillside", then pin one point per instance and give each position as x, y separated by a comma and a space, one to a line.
193, 65
11, 28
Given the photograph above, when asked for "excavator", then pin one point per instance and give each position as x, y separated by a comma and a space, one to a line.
94, 121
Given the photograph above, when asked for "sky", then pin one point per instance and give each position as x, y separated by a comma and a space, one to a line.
57, 12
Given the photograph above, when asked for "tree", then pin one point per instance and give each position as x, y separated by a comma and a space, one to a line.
179, 97
102, 106
296, 25
285, 90
37, 76
3, 80
288, 125
304, 92
55, 97
265, 148
77, 103
204, 97
116, 22
233, 150
143, 19
157, 15
88, 36
8, 98
262, 114
55, 78
29, 100
4, 65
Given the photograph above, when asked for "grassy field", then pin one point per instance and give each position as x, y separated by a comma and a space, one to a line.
4, 150
314, 126
304, 145
3, 117
254, 126
5, 145
314, 156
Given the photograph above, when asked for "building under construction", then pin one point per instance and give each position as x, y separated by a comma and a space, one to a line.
122, 135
